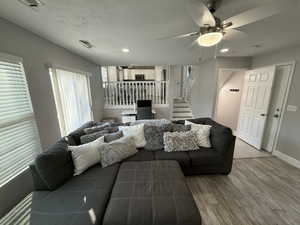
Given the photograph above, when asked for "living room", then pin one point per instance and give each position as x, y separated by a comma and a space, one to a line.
215, 151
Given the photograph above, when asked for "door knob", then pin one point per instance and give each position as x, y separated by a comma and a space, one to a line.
276, 116
263, 114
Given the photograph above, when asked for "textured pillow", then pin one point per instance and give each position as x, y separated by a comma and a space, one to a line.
202, 133
93, 136
180, 127
74, 137
137, 131
158, 122
113, 136
180, 141
154, 136
87, 155
118, 150
97, 128
55, 166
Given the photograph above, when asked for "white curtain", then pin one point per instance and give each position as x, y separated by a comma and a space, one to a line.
72, 97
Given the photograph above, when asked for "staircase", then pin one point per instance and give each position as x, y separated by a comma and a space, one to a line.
181, 110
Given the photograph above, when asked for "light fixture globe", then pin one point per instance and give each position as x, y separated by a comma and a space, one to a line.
210, 39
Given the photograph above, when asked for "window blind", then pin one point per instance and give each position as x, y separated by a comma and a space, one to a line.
19, 140
72, 98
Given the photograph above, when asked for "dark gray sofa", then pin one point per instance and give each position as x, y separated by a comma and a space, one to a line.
91, 197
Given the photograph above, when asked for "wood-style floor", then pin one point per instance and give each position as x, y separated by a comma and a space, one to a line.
260, 191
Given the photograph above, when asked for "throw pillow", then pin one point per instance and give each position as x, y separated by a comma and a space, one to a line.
156, 122
93, 136
113, 136
137, 131
86, 155
118, 150
97, 128
180, 127
154, 136
180, 141
202, 132
55, 166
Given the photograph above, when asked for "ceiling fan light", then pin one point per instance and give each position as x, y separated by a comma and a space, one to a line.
210, 39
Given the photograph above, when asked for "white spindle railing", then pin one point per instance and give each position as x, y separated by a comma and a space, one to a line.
122, 94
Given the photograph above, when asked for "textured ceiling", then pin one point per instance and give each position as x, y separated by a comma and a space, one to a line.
111, 25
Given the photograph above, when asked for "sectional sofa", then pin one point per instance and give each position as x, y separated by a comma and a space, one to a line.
147, 188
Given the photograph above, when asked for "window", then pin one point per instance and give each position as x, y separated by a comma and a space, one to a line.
72, 98
19, 142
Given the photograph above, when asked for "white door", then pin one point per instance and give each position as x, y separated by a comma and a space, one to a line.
282, 75
255, 104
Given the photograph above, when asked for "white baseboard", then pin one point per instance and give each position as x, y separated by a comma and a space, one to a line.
290, 160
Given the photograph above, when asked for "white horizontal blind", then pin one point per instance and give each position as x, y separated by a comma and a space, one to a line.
19, 140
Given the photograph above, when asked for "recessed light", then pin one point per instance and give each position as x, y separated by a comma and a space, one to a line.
85, 43
224, 50
125, 50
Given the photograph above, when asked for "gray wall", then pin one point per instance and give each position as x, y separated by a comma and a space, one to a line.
204, 88
225, 115
289, 141
36, 52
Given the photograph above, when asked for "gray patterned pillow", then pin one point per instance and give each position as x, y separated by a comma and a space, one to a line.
113, 136
93, 136
180, 127
118, 150
97, 128
157, 122
154, 136
180, 141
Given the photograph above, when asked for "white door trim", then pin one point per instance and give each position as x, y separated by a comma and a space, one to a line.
290, 78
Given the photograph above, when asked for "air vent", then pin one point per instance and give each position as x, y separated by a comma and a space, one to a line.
34, 4
86, 44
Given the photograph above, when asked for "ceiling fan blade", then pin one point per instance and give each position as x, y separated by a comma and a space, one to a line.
260, 13
181, 36
200, 13
233, 34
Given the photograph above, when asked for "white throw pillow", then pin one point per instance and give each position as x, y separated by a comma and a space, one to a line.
136, 131
202, 132
86, 155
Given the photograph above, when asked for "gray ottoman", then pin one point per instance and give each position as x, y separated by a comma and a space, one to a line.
151, 193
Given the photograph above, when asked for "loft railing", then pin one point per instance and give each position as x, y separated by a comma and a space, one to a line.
123, 94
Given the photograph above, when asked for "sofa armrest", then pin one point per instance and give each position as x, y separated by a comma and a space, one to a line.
223, 141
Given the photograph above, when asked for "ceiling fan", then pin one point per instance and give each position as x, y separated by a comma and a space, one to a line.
212, 29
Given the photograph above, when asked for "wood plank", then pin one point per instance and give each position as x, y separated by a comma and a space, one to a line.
258, 191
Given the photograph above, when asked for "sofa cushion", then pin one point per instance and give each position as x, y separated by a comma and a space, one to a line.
117, 150
136, 131
113, 136
154, 136
82, 200
157, 122
202, 132
74, 137
86, 155
142, 155
55, 166
205, 156
180, 141
97, 128
84, 139
180, 127
152, 192
181, 157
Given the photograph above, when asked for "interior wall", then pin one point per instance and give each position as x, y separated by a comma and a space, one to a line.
205, 85
37, 53
228, 104
288, 140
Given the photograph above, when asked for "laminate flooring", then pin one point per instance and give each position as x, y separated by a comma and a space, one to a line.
258, 191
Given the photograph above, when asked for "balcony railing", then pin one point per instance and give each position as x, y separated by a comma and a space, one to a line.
123, 94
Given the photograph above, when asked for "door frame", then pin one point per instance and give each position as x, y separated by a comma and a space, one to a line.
215, 108
285, 99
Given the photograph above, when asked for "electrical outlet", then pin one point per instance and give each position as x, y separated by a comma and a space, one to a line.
291, 108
